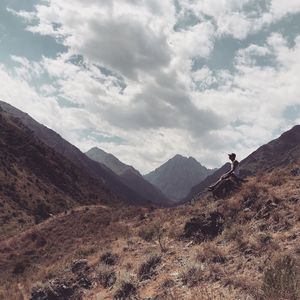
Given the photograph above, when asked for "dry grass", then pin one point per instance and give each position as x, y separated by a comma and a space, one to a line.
262, 218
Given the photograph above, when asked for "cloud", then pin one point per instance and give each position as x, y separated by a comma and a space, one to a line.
129, 76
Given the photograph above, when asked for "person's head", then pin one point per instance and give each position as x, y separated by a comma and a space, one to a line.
232, 156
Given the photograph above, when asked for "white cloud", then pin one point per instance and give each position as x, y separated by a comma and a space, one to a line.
128, 74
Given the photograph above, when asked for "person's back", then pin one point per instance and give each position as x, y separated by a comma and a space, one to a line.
235, 167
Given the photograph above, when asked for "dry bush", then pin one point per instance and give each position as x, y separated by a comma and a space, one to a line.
85, 252
233, 232
282, 280
276, 179
192, 273
149, 233
147, 269
210, 252
109, 258
125, 286
106, 276
207, 294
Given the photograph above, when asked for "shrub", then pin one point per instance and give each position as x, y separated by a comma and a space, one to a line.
281, 281
106, 276
191, 276
147, 269
149, 233
125, 291
109, 258
192, 273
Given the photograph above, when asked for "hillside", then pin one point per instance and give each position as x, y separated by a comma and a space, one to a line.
110, 161
36, 182
177, 176
245, 246
130, 176
94, 169
278, 153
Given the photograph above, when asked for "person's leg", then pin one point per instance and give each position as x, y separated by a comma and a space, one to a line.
216, 183
236, 178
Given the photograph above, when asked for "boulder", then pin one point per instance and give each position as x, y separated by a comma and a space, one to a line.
204, 227
225, 188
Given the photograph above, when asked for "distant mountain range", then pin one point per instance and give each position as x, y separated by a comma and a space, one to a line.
98, 171
177, 176
280, 152
130, 176
110, 161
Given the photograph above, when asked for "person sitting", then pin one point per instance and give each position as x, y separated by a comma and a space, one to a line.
233, 173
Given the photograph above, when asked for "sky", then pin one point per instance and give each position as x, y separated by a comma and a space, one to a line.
148, 79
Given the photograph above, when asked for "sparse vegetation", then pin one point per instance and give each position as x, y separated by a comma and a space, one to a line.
109, 258
124, 257
191, 275
282, 279
149, 233
147, 269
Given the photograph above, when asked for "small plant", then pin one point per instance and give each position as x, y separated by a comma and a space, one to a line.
147, 269
106, 276
149, 233
85, 252
281, 281
192, 274
109, 258
125, 286
126, 290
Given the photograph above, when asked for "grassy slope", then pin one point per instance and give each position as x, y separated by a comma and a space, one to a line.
262, 223
32, 175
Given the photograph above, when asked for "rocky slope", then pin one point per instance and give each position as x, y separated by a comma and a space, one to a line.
130, 176
177, 176
94, 169
36, 181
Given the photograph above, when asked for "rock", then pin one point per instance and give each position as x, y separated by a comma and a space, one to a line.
204, 227
225, 188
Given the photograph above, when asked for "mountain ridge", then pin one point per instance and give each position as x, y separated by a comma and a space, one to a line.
94, 169
176, 176
130, 176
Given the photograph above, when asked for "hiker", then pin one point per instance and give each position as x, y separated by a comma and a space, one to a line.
233, 173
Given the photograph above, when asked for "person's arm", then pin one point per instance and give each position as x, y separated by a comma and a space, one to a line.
233, 168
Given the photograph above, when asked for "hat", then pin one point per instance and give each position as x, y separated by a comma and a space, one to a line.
232, 155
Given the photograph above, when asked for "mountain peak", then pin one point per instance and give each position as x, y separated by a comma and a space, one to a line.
176, 176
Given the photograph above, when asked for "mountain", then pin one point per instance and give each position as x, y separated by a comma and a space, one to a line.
280, 152
177, 176
96, 170
284, 150
36, 181
130, 176
110, 161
